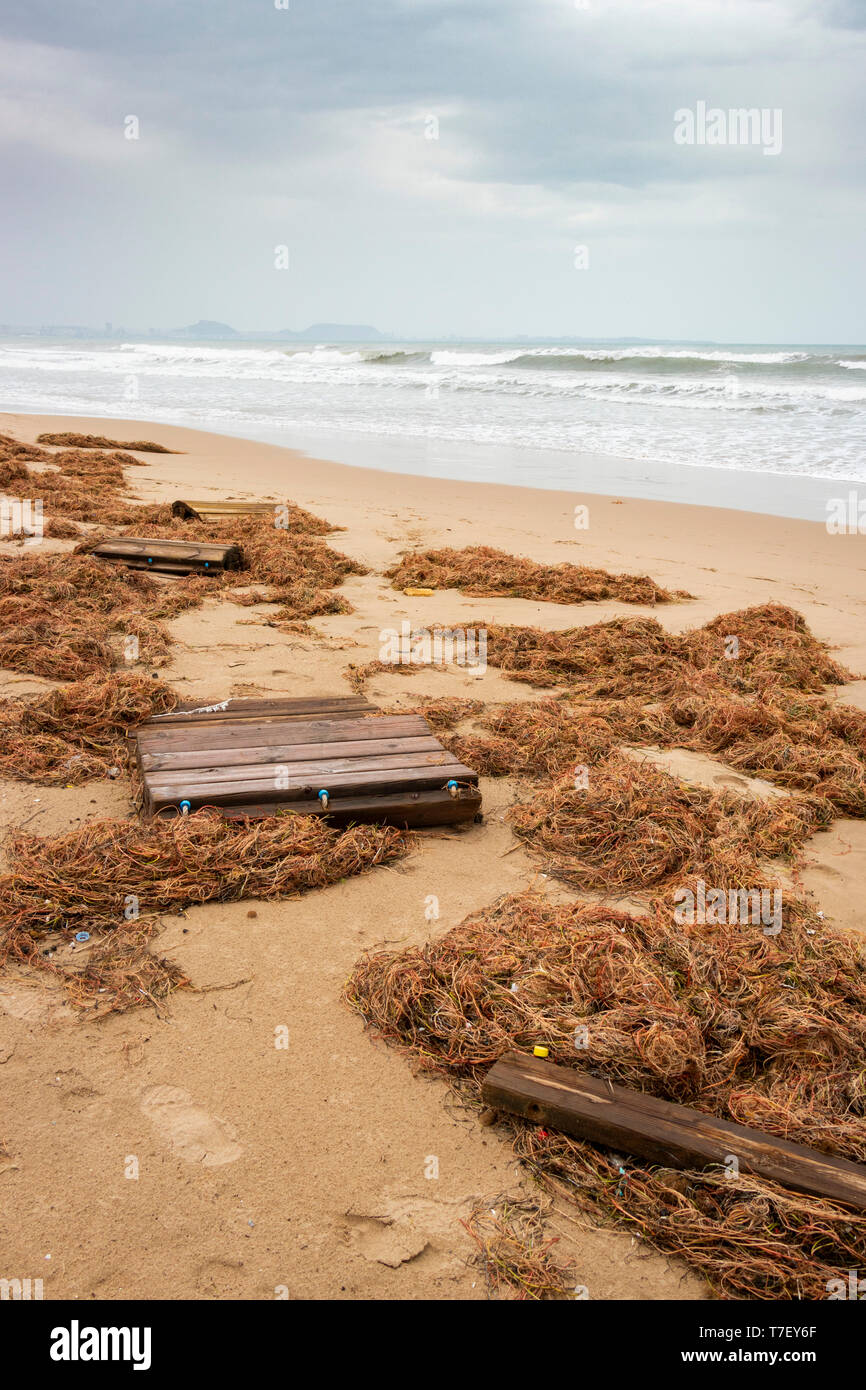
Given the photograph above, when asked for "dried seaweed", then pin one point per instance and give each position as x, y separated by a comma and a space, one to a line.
481, 571
762, 1030
111, 875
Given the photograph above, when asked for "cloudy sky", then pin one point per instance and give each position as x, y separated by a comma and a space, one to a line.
310, 127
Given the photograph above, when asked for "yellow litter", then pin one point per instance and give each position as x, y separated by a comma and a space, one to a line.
419, 593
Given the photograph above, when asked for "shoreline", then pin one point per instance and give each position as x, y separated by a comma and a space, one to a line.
767, 493
752, 557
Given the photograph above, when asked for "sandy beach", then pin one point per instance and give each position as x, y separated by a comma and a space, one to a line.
304, 1169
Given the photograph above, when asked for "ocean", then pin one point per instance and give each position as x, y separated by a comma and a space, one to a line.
651, 410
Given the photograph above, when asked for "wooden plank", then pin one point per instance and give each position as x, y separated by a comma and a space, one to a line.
364, 774
277, 704
206, 511
163, 549
164, 567
237, 705
673, 1135
414, 809
168, 556
175, 760
163, 789
211, 733
250, 734
301, 772
215, 718
233, 709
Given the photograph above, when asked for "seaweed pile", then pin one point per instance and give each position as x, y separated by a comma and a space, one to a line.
763, 710
535, 738
99, 441
750, 650
516, 1253
83, 484
633, 827
442, 712
77, 732
800, 743
73, 484
111, 877
763, 1030
66, 616
480, 571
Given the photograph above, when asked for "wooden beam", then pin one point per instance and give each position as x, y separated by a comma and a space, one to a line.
166, 789
672, 1135
207, 511
169, 557
416, 809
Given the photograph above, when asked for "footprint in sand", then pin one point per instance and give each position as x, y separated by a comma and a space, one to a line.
190, 1131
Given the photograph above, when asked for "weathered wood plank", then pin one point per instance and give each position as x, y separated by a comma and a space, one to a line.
233, 710
311, 777
162, 549
284, 704
208, 738
166, 568
207, 511
270, 753
300, 772
169, 556
199, 792
659, 1131
417, 809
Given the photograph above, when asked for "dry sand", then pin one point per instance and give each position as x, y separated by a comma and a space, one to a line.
302, 1171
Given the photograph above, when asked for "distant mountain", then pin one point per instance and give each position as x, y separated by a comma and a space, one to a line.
209, 330
205, 328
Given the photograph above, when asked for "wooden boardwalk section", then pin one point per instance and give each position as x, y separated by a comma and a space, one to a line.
169, 557
255, 757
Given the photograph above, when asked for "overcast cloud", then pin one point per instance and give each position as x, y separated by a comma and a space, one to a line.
309, 127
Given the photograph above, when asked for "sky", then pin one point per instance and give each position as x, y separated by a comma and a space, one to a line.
478, 168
